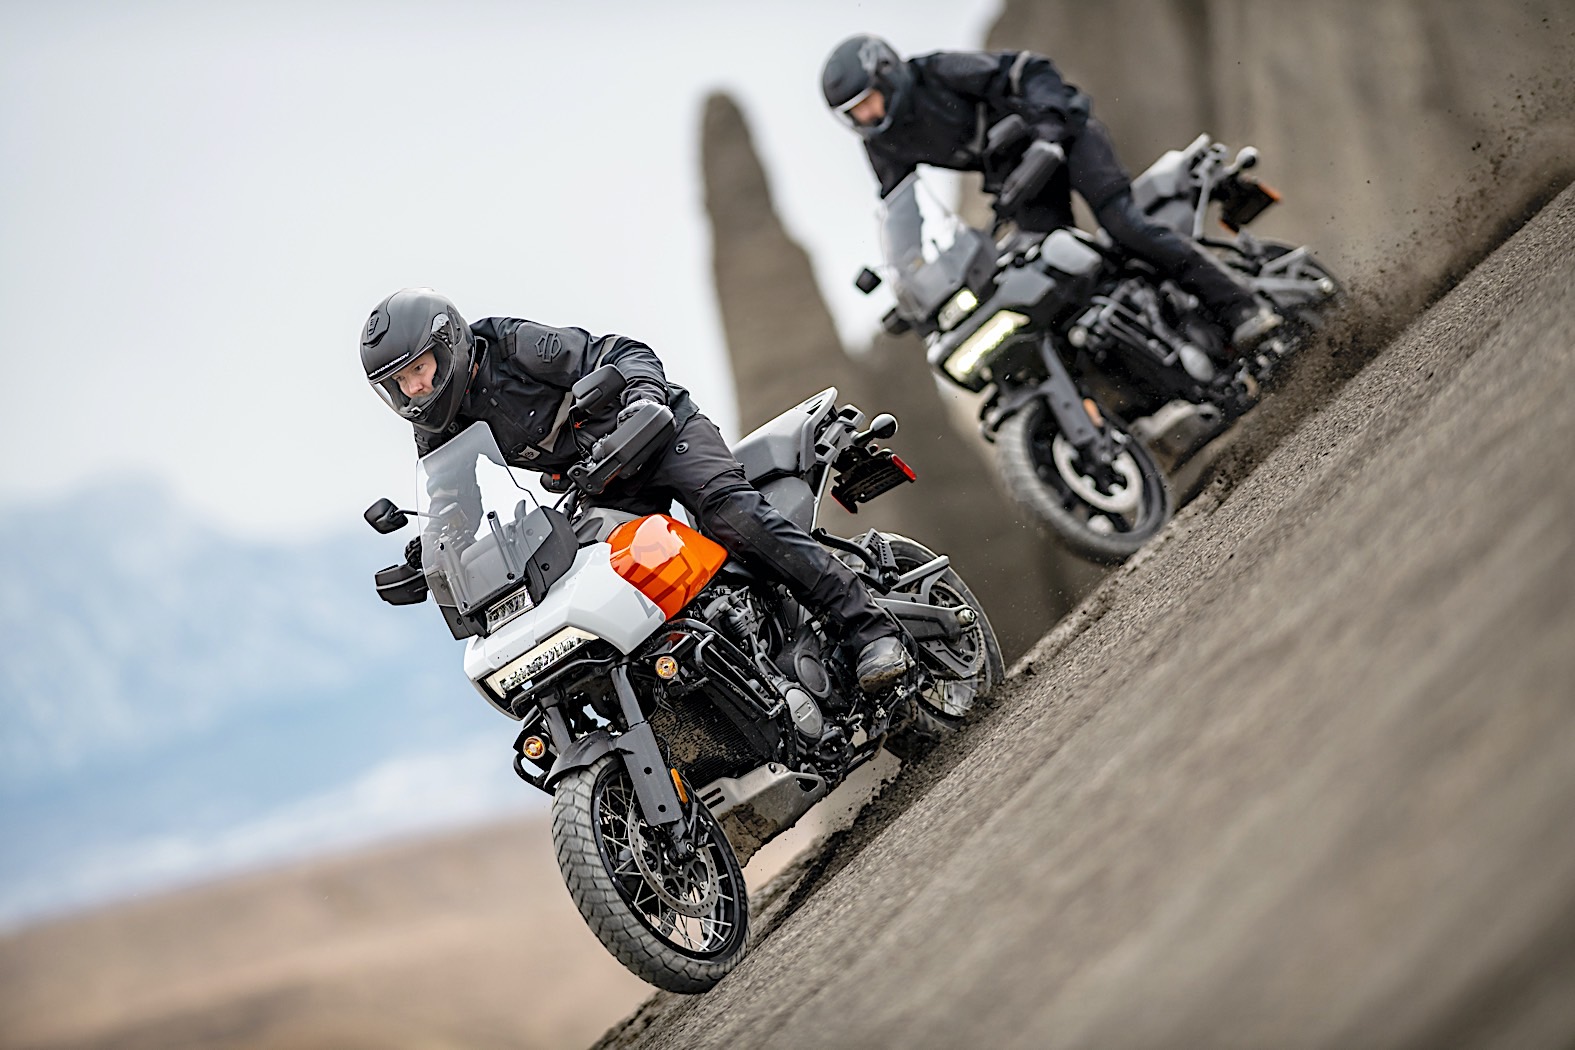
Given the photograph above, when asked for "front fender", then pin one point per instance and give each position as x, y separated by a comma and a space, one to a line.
642, 757
1004, 406
583, 753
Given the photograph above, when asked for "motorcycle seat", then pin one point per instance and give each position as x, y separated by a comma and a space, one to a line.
784, 445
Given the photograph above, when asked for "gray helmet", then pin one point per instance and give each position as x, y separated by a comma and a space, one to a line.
404, 326
859, 65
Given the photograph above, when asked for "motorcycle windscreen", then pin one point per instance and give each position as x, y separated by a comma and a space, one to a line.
483, 532
665, 560
930, 254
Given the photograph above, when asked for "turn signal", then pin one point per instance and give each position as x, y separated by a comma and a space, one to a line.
666, 667
533, 748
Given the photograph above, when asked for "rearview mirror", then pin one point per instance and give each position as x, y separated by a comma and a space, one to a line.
385, 517
882, 428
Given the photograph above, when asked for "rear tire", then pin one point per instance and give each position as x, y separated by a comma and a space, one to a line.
680, 928
1043, 478
943, 706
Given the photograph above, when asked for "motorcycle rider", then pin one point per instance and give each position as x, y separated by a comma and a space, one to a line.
935, 109
441, 375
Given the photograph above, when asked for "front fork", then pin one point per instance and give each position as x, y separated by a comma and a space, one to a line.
655, 786
1065, 401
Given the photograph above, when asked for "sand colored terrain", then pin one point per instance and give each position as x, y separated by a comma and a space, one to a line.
1298, 775
465, 941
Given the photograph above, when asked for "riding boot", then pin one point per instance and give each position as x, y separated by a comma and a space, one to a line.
1245, 319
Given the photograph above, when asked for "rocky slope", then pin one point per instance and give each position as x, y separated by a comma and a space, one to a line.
1296, 776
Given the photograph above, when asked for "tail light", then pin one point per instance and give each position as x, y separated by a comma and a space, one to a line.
665, 559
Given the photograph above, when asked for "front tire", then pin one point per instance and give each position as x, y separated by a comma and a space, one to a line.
1041, 472
943, 705
679, 926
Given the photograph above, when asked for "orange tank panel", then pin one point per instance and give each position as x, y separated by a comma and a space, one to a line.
665, 559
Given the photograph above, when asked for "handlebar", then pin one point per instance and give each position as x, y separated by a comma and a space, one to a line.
625, 450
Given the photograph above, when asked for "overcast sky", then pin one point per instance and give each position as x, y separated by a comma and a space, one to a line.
200, 203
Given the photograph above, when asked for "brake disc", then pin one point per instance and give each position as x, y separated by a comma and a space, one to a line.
709, 890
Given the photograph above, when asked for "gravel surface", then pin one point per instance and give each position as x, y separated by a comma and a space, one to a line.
1301, 774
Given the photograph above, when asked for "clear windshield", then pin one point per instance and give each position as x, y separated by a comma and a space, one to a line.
928, 250
473, 524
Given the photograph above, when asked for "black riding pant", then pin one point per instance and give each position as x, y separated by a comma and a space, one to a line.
1094, 171
700, 472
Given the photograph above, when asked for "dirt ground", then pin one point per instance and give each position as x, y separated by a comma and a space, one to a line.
1299, 775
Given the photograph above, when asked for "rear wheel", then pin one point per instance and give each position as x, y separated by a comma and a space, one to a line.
1103, 520
959, 670
680, 923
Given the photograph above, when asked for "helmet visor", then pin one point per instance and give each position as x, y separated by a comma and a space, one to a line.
413, 388
845, 111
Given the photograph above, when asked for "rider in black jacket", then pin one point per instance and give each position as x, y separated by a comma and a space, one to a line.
935, 109
442, 375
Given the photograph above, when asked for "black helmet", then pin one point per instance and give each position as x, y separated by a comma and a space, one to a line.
859, 65
404, 326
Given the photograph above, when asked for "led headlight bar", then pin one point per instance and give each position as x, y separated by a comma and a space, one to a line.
973, 350
508, 609
517, 672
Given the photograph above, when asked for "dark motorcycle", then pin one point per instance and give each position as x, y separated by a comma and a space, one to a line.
1086, 357
680, 710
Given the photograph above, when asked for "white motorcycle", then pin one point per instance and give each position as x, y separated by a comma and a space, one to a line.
680, 710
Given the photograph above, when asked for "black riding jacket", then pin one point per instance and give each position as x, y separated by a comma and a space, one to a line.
954, 99
522, 389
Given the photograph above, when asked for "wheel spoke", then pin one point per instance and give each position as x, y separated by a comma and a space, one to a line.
694, 906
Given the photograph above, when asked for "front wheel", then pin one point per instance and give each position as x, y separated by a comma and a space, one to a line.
1104, 521
960, 670
680, 923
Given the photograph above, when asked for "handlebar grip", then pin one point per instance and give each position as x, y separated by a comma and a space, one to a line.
1005, 132
624, 451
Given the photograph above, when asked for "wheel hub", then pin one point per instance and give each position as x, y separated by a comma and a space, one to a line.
695, 880
1124, 498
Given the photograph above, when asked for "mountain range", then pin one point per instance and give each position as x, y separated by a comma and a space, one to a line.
176, 702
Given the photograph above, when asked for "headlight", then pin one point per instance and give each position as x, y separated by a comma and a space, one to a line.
522, 669
508, 608
957, 307
977, 347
